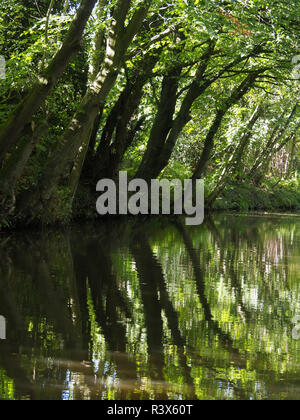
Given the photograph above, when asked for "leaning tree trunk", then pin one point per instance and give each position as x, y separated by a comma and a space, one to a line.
162, 124
158, 153
266, 164
80, 129
291, 157
120, 129
236, 158
94, 68
15, 164
165, 131
107, 160
209, 142
11, 131
278, 132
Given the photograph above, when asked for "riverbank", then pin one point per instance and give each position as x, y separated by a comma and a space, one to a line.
247, 197
241, 198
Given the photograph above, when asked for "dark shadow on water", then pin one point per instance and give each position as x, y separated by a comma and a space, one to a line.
152, 310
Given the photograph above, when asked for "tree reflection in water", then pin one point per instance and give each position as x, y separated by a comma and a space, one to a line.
152, 310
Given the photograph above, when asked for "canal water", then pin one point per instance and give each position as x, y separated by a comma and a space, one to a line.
152, 310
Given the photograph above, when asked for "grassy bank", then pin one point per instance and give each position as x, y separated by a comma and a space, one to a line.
245, 197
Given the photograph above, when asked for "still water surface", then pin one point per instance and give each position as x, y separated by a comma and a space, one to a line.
152, 311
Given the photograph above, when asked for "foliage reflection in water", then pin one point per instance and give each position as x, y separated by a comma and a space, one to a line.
152, 311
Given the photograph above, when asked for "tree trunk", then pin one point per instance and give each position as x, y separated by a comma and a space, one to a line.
161, 157
79, 131
11, 131
235, 96
266, 164
117, 134
236, 158
161, 126
278, 132
16, 163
